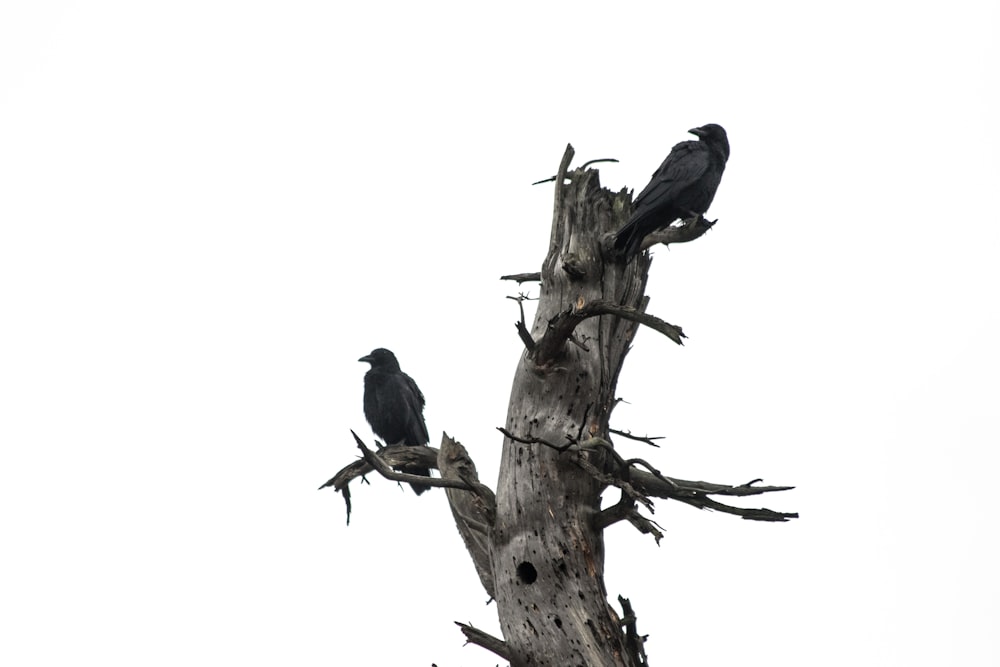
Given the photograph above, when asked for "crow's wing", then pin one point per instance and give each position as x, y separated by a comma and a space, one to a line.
416, 429
687, 162
394, 408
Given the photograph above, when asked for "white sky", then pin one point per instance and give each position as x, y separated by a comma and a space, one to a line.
211, 209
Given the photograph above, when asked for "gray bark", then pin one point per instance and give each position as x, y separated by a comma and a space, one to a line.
548, 552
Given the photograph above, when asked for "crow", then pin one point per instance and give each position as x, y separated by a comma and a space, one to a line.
683, 187
394, 407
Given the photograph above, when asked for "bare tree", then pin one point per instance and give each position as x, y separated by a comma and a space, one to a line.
538, 543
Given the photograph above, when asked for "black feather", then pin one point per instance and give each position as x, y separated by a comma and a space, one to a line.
682, 187
394, 407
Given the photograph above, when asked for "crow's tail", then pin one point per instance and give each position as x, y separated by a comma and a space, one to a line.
628, 240
417, 488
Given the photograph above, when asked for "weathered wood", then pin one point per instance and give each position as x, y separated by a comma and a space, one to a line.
681, 232
474, 512
548, 555
484, 639
633, 640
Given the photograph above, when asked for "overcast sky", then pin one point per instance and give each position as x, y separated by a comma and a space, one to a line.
209, 210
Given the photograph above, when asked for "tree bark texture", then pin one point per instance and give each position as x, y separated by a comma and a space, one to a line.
548, 552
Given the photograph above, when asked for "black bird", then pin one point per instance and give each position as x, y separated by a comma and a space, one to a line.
394, 407
683, 187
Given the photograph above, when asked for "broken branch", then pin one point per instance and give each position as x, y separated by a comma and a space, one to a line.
562, 325
522, 326
633, 641
524, 277
486, 640
474, 513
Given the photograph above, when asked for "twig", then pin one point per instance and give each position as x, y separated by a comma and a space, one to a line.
532, 440
583, 421
603, 159
648, 439
486, 640
581, 168
576, 341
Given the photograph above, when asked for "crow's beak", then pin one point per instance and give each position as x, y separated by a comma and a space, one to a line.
698, 132
367, 358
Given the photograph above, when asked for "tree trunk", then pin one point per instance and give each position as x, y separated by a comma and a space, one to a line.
548, 551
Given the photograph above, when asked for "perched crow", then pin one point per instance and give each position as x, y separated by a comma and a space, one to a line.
394, 407
682, 187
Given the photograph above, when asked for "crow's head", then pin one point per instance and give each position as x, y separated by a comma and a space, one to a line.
713, 134
381, 358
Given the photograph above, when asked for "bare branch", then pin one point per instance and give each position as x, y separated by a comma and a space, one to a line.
562, 325
603, 159
395, 455
633, 641
749, 513
581, 168
687, 230
637, 485
671, 331
524, 277
380, 466
522, 326
617, 512
579, 343
474, 512
487, 641
747, 489
625, 486
645, 526
531, 440
696, 494
387, 458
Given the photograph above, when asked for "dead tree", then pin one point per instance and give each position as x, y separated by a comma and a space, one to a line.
538, 544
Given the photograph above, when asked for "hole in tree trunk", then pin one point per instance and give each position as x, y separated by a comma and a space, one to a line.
527, 573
